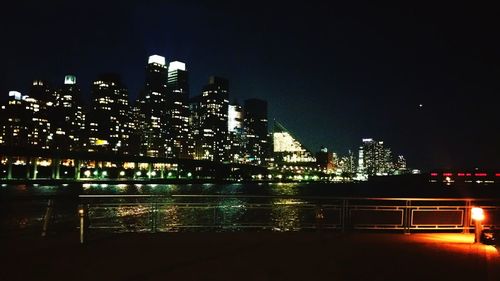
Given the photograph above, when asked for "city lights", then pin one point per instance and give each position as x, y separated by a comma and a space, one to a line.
164, 122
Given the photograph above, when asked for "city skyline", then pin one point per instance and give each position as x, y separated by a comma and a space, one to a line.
353, 97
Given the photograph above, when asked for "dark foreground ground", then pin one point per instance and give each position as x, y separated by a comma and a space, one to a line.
249, 256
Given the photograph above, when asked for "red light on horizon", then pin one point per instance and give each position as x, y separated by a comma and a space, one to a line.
480, 174
434, 174
468, 174
497, 175
461, 174
447, 174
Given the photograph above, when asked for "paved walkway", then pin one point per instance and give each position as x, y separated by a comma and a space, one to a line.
250, 256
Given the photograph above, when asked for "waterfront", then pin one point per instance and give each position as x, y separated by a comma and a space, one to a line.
204, 207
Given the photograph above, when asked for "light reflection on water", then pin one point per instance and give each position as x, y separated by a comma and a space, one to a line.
175, 213
180, 213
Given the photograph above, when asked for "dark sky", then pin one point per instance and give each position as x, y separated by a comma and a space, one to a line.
333, 73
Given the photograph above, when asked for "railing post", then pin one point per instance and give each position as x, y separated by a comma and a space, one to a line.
81, 213
319, 216
154, 213
344, 214
46, 218
467, 217
215, 216
407, 218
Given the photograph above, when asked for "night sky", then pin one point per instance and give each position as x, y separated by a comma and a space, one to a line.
332, 73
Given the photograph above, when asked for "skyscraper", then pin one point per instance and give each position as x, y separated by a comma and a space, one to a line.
152, 106
211, 121
374, 159
24, 122
257, 131
179, 138
109, 124
68, 117
237, 134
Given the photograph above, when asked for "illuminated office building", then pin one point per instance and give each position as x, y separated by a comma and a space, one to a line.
346, 166
287, 149
374, 159
179, 138
237, 134
152, 104
109, 123
257, 131
211, 121
68, 117
24, 122
400, 165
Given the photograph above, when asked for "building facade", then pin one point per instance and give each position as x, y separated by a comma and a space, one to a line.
257, 131
211, 121
179, 137
109, 121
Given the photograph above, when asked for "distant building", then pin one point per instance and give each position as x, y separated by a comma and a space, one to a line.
152, 109
179, 138
109, 121
238, 141
256, 125
374, 159
68, 117
211, 121
287, 149
400, 165
24, 122
346, 166
325, 160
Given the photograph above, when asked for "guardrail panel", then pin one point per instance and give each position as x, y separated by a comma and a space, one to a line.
437, 217
382, 217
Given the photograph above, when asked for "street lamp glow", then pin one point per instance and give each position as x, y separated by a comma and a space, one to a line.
189, 174
96, 173
87, 173
104, 173
138, 173
122, 173
153, 173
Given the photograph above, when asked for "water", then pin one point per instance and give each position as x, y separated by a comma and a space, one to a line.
199, 207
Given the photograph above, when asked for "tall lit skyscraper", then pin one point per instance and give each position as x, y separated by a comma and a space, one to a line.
374, 159
237, 134
68, 117
152, 105
179, 137
109, 124
24, 122
211, 140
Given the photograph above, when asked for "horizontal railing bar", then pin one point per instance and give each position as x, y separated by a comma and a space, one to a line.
280, 197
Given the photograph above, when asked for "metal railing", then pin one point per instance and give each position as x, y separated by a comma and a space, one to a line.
173, 213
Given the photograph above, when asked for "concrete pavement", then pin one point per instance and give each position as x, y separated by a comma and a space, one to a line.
250, 256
